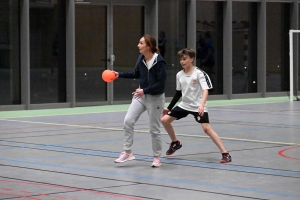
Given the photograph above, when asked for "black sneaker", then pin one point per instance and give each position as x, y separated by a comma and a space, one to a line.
226, 158
173, 147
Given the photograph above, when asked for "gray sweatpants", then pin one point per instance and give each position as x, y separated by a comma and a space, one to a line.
154, 104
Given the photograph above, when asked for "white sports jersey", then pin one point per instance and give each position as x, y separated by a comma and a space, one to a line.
192, 86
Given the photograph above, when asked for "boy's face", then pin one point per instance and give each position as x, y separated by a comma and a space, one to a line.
186, 61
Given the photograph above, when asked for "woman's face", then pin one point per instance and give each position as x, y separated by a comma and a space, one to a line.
143, 48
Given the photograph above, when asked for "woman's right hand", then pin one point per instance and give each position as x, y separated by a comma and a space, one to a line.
116, 74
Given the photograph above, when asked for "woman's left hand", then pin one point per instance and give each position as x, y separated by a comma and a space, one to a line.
138, 93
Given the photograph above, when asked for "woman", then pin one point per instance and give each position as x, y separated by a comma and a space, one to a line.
150, 69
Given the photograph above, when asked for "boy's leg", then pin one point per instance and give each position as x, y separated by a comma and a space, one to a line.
166, 120
214, 136
176, 113
204, 120
216, 139
175, 144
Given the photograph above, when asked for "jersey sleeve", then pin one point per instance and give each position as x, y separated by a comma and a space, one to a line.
204, 80
178, 85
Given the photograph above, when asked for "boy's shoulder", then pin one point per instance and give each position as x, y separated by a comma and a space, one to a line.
199, 71
180, 72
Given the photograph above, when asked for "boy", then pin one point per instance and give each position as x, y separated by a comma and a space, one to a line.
192, 84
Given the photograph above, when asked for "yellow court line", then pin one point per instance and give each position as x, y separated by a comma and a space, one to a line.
244, 140
255, 111
65, 114
56, 124
142, 131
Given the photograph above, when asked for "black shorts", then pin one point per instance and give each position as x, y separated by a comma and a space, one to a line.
179, 113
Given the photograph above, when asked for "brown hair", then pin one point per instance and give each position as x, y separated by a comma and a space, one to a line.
190, 52
151, 42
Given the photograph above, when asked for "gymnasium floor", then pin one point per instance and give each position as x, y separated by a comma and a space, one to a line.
68, 154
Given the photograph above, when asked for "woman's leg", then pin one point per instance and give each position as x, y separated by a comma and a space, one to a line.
155, 105
135, 110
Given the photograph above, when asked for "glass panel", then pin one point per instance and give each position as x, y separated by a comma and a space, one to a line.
278, 46
47, 51
127, 33
298, 35
9, 53
209, 42
90, 44
172, 21
244, 57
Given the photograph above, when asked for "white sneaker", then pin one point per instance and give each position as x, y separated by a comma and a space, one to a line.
124, 157
156, 162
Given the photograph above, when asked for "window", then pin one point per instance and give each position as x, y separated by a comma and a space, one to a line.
278, 17
209, 50
47, 52
172, 24
9, 53
244, 48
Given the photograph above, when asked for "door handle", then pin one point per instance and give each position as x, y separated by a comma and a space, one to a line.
111, 59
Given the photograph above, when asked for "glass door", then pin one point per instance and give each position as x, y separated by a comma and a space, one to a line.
106, 35
128, 28
91, 52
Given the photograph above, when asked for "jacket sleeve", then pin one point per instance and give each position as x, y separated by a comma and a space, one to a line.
130, 75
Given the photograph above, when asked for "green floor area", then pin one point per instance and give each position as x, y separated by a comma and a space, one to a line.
124, 107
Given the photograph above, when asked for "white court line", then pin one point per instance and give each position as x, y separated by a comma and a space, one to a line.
142, 131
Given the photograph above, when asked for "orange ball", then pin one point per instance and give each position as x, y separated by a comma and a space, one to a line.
108, 76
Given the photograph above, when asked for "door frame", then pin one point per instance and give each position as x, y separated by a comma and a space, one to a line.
151, 27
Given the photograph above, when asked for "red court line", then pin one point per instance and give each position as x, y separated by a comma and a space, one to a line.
281, 153
60, 197
6, 189
24, 191
19, 196
64, 187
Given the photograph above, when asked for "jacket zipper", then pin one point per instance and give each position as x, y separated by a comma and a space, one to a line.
148, 76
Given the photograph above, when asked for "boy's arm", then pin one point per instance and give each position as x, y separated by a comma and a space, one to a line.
175, 99
204, 98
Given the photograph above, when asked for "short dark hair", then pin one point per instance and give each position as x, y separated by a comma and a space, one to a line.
190, 52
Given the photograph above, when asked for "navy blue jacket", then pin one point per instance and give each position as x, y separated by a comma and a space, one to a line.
152, 81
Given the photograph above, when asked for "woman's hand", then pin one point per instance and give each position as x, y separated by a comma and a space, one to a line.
116, 74
138, 93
